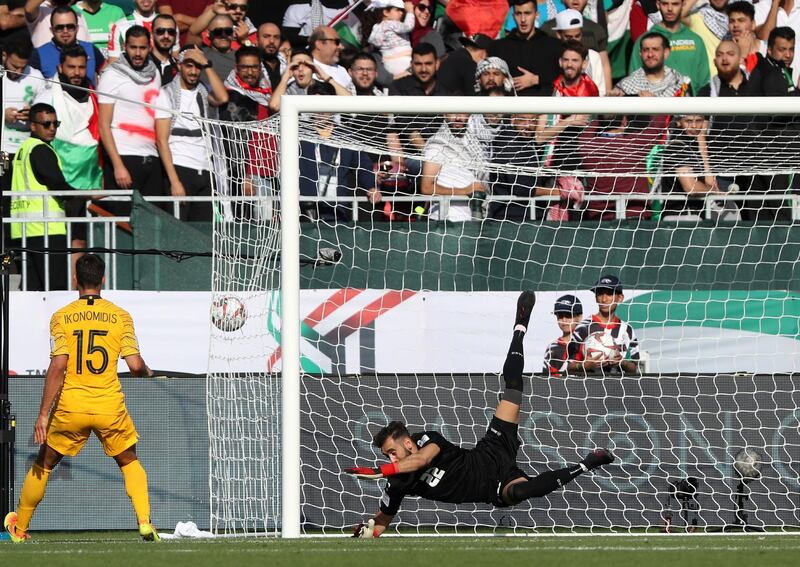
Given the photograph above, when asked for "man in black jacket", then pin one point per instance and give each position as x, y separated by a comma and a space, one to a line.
532, 56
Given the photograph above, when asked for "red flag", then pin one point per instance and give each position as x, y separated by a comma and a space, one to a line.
478, 16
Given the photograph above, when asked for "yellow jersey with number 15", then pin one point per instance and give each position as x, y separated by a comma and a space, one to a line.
94, 333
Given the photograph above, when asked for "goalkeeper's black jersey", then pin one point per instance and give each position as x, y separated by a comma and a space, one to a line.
456, 475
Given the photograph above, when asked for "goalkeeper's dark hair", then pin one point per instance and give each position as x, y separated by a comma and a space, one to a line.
89, 271
395, 430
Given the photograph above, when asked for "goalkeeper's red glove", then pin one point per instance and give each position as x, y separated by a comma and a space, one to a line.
389, 469
365, 530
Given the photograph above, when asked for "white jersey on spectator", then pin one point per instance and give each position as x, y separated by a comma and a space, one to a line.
338, 74
116, 41
133, 125
27, 91
40, 28
186, 137
299, 16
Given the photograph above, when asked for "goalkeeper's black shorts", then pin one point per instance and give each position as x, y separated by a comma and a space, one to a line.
498, 453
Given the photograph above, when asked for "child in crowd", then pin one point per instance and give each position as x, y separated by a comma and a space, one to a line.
391, 34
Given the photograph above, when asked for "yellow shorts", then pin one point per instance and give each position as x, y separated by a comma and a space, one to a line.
68, 432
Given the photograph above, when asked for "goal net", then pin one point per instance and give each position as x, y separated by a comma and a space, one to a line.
380, 261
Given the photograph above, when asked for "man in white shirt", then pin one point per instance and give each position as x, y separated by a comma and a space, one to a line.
144, 15
127, 129
37, 12
452, 159
180, 139
325, 46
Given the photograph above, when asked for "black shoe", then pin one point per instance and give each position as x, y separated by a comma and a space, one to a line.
598, 458
525, 303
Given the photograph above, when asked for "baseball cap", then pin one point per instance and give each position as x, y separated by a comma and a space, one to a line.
381, 4
608, 282
568, 305
568, 19
478, 40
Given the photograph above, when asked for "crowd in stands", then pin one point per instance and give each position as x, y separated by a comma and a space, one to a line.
236, 59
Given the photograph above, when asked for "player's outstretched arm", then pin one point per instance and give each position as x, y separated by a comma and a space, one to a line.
53, 382
374, 527
411, 463
137, 365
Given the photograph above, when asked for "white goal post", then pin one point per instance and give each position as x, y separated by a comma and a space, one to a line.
291, 109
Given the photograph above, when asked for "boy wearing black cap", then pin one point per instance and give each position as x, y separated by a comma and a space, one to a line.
568, 311
608, 293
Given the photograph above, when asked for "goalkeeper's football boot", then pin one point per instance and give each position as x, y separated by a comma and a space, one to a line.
525, 303
148, 533
10, 524
598, 458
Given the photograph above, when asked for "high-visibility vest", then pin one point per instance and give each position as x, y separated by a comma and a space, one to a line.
24, 180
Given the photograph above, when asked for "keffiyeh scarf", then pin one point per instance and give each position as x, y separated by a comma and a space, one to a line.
142, 76
673, 84
261, 94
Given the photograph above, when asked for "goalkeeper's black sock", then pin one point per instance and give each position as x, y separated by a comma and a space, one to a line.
543, 484
512, 369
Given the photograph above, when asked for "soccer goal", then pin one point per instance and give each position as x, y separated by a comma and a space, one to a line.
368, 300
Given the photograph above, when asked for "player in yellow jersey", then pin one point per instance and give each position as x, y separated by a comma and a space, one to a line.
82, 394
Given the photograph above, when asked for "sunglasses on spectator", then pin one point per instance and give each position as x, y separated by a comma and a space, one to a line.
237, 7
65, 27
220, 32
335, 40
423, 7
48, 123
166, 31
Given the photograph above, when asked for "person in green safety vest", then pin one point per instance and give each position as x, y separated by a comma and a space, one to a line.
37, 168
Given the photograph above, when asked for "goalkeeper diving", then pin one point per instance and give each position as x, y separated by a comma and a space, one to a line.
425, 464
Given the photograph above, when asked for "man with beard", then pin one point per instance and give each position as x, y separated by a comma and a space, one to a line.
220, 52
144, 15
653, 78
64, 25
775, 68
269, 41
100, 17
180, 139
165, 36
687, 54
493, 73
37, 12
127, 127
453, 160
531, 55
364, 72
569, 27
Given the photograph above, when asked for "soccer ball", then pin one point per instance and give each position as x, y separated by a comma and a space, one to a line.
600, 346
228, 313
748, 463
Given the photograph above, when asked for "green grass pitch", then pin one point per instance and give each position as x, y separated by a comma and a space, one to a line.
104, 549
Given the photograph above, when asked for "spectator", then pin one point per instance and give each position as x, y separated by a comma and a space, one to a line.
185, 13
37, 13
301, 19
256, 161
77, 139
244, 32
391, 35
269, 42
614, 151
165, 37
592, 34
453, 159
299, 76
12, 21
778, 13
653, 78
689, 57
423, 26
608, 294
180, 140
23, 86
325, 47
493, 73
127, 127
532, 56
330, 171
742, 26
127, 6
457, 72
710, 23
38, 168
424, 75
686, 169
99, 16
775, 70
220, 53
515, 146
730, 79
144, 15
569, 27
64, 25
569, 312
364, 73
